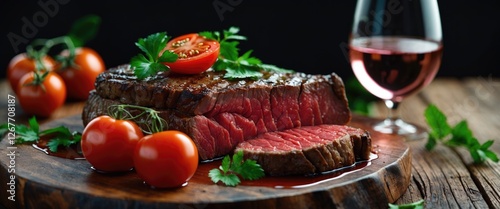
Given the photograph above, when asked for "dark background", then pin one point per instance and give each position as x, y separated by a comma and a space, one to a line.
307, 36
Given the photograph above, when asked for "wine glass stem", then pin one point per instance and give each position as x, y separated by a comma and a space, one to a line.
393, 114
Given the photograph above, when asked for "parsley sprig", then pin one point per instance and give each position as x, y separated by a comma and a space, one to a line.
60, 136
236, 66
458, 136
229, 60
230, 170
151, 62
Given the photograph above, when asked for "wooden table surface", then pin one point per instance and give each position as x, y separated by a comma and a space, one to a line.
444, 177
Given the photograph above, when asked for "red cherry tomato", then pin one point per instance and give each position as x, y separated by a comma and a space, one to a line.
81, 78
108, 144
166, 159
41, 100
195, 53
21, 65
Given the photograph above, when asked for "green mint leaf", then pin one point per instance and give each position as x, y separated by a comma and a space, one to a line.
437, 121
476, 156
431, 142
238, 72
229, 50
491, 155
250, 170
487, 145
415, 205
84, 30
462, 135
480, 156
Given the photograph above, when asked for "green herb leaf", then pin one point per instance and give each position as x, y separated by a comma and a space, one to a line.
34, 124
273, 68
359, 98
229, 50
84, 29
461, 135
143, 68
415, 205
210, 35
230, 170
226, 164
60, 130
431, 142
236, 66
238, 72
64, 141
250, 170
28, 134
437, 122
151, 62
491, 155
228, 179
61, 136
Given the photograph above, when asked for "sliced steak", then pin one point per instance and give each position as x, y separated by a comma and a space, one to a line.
308, 150
219, 113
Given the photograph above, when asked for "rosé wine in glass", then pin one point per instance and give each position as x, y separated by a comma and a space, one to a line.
395, 50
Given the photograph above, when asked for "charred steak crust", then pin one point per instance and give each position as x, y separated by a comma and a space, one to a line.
308, 150
218, 113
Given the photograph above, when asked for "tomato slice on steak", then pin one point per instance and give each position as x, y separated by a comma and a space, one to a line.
195, 53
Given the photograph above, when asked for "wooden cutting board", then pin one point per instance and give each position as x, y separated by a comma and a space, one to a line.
43, 181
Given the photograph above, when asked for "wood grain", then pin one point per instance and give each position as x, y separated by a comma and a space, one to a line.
52, 182
444, 177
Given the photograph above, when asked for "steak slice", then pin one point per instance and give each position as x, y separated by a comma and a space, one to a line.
218, 113
308, 150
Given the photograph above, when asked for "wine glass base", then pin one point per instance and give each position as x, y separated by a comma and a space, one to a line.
399, 127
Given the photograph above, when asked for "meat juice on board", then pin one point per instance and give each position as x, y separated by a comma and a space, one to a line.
394, 67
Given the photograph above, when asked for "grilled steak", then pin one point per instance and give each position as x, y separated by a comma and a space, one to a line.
218, 113
308, 150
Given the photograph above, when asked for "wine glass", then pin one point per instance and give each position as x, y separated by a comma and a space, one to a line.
395, 50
